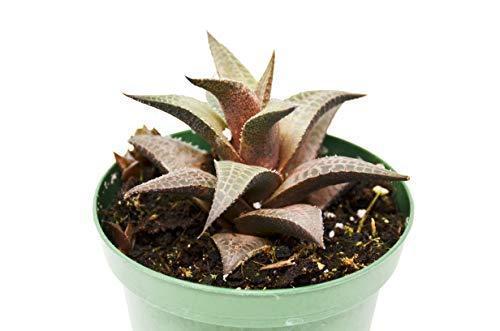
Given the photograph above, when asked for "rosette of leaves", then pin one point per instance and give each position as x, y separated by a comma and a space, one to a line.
267, 179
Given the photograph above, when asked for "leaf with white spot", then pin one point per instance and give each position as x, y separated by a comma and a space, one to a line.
236, 248
198, 115
322, 198
235, 180
228, 66
300, 221
323, 172
184, 182
265, 84
168, 154
312, 105
238, 103
260, 141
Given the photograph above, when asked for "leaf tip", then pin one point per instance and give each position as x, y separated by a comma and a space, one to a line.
210, 36
191, 80
353, 96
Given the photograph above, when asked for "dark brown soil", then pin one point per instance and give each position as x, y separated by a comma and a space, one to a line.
165, 232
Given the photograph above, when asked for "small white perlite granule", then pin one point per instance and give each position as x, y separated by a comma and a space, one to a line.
361, 212
227, 133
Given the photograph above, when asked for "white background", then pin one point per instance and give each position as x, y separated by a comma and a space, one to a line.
431, 71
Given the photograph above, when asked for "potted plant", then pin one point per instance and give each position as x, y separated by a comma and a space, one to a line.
239, 224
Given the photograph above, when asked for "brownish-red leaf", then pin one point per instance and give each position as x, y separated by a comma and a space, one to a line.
301, 221
236, 180
184, 182
323, 172
118, 236
199, 116
168, 154
238, 103
295, 129
236, 248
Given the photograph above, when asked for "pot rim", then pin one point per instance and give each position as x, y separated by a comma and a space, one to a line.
253, 292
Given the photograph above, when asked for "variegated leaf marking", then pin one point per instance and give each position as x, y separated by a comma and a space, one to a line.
236, 248
168, 154
198, 115
184, 182
228, 66
294, 128
237, 179
326, 171
260, 143
301, 221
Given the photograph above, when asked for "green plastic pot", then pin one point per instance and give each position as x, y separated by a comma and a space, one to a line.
157, 302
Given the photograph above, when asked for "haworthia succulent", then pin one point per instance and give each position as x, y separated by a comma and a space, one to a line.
301, 221
265, 84
168, 154
236, 248
198, 115
184, 182
237, 101
294, 129
323, 172
260, 143
228, 66
237, 179
322, 198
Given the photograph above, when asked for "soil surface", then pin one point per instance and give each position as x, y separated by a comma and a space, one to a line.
164, 232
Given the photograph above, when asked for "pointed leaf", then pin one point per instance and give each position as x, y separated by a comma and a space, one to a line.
118, 237
260, 143
145, 131
123, 162
198, 115
184, 182
228, 66
237, 179
238, 102
294, 128
311, 144
265, 84
236, 248
301, 221
168, 154
319, 173
322, 198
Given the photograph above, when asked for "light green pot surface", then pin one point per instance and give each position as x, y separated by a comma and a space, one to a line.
159, 302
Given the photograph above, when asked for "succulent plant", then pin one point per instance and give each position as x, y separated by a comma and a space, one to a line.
267, 179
